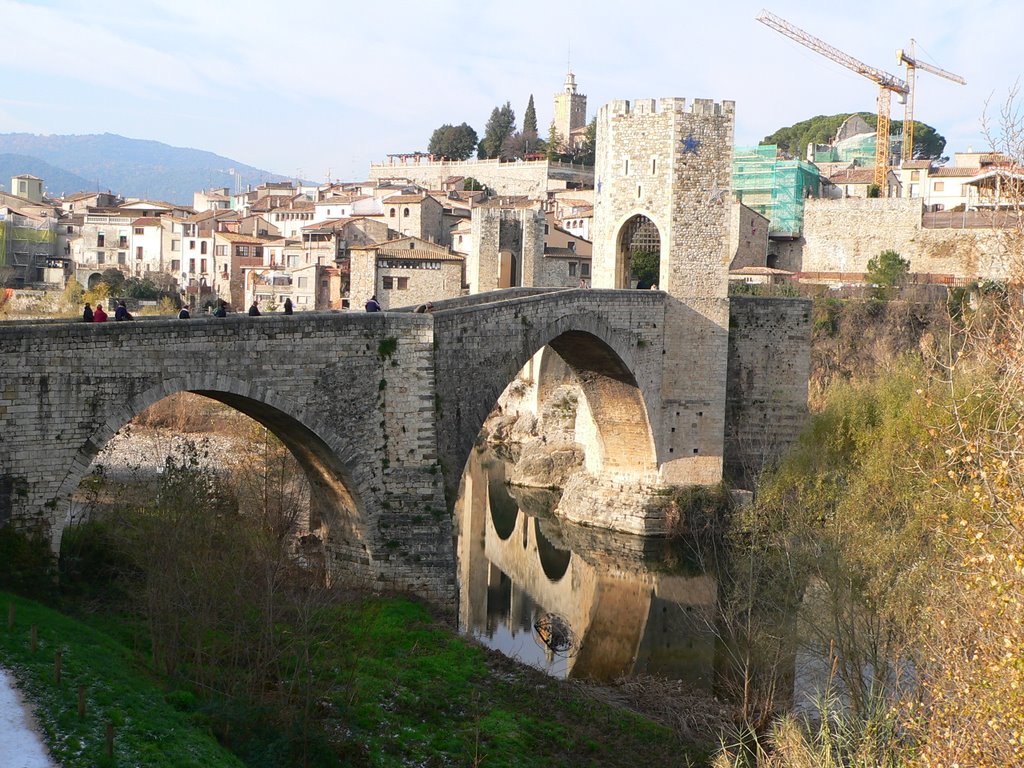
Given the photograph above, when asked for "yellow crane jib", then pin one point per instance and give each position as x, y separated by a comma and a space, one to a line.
886, 83
913, 64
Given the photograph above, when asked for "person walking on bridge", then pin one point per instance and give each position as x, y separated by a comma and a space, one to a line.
98, 315
87, 313
254, 309
121, 312
373, 305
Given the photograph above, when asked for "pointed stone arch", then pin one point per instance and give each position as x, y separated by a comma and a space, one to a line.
637, 233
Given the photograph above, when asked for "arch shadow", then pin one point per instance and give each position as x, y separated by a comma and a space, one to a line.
336, 500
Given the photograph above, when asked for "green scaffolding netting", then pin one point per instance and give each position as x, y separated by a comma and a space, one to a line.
773, 186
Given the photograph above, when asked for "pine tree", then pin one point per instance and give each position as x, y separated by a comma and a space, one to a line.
500, 125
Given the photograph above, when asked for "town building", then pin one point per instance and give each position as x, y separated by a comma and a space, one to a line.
404, 272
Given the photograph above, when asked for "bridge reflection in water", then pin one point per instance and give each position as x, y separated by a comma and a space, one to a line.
521, 569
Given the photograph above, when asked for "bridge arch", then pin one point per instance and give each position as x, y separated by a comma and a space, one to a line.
637, 233
327, 460
603, 361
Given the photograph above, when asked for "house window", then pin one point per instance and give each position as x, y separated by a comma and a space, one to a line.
654, 165
99, 257
192, 266
915, 175
202, 265
122, 257
175, 245
175, 265
101, 239
572, 269
303, 282
940, 186
392, 214
387, 283
139, 230
191, 245
122, 241
222, 250
202, 247
412, 245
584, 269
138, 252
302, 300
571, 245
405, 212
292, 260
71, 230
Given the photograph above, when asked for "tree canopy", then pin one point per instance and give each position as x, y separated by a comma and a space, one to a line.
454, 142
500, 125
928, 143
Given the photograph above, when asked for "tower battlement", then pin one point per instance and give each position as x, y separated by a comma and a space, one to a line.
700, 107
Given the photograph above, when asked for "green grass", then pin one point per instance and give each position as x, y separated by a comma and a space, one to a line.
148, 729
417, 694
394, 687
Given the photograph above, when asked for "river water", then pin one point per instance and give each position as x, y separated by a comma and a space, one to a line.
574, 602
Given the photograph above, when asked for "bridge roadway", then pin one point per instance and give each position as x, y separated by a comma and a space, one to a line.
381, 410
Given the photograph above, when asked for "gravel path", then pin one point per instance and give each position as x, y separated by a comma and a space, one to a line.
21, 746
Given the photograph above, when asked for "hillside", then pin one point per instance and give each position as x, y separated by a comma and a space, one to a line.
57, 179
131, 167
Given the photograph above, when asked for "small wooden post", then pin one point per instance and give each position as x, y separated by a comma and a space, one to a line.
56, 667
81, 702
35, 637
10, 615
110, 739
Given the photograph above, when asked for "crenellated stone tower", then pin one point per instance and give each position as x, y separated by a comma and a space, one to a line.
662, 177
570, 110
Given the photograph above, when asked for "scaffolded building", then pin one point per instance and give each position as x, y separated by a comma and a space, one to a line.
774, 187
27, 250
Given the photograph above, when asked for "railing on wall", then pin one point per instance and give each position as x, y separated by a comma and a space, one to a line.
1005, 219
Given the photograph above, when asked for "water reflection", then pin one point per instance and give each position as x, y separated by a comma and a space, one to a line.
572, 601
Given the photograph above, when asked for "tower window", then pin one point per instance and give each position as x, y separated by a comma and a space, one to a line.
654, 165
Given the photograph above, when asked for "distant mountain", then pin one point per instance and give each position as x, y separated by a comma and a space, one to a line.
130, 167
57, 179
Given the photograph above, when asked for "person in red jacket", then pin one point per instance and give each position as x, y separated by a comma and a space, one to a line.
98, 315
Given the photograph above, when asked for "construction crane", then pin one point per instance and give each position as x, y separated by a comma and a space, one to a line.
887, 84
913, 65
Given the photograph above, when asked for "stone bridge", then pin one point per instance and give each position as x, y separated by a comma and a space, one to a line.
381, 410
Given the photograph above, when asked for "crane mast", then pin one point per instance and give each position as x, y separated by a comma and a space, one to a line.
913, 65
886, 83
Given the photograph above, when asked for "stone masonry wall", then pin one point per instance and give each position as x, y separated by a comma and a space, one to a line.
359, 419
769, 365
669, 161
842, 235
532, 178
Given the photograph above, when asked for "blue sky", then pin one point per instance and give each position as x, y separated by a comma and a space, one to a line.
313, 87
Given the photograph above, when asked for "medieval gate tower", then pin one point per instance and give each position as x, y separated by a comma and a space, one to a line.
661, 180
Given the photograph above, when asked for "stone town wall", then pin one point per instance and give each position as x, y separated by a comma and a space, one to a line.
320, 382
769, 365
669, 161
842, 235
532, 178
